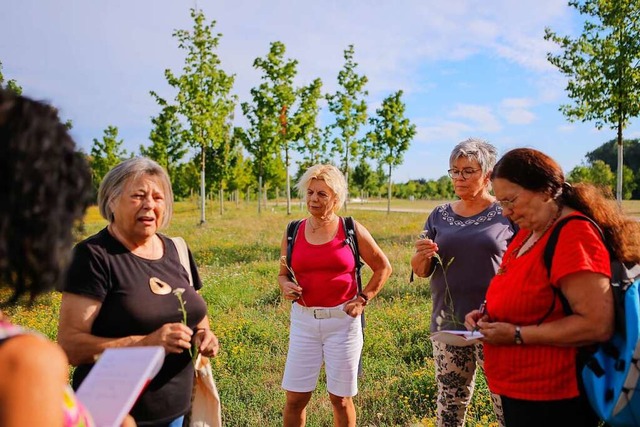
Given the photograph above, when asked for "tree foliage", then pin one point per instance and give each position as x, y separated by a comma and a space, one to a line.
607, 153
9, 84
602, 67
391, 135
204, 100
105, 154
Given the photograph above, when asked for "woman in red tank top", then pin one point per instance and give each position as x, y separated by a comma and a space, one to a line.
325, 314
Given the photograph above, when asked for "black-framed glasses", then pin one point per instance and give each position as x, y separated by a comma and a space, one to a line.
508, 204
464, 173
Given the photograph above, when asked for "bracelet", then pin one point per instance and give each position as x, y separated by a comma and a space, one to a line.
364, 297
518, 336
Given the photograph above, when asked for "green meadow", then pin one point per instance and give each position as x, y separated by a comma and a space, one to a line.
238, 255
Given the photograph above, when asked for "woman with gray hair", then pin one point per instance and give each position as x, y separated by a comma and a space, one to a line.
120, 291
461, 247
320, 279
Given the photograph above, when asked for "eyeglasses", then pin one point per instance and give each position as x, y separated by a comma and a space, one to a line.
508, 204
464, 173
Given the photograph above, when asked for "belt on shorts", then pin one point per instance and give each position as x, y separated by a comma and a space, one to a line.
324, 313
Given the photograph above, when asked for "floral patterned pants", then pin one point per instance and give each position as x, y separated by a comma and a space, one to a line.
455, 375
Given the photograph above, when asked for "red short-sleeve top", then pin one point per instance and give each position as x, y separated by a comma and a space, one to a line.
522, 295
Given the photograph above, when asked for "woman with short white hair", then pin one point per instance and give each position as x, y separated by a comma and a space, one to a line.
120, 292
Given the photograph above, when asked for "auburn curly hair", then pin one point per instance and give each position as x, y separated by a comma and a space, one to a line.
45, 188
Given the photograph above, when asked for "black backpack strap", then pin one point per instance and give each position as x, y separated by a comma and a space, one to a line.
292, 232
349, 226
549, 251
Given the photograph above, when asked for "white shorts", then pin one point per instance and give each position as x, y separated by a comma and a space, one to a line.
323, 333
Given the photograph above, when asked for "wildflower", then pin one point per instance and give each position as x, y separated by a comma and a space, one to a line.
448, 299
178, 293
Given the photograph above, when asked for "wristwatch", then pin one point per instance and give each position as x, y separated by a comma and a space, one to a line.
518, 336
364, 298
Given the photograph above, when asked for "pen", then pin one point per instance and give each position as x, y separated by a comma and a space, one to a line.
482, 310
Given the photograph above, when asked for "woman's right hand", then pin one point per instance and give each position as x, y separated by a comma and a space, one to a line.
426, 248
174, 337
472, 318
290, 290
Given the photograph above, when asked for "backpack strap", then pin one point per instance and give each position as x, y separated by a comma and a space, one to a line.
349, 226
549, 251
292, 232
183, 253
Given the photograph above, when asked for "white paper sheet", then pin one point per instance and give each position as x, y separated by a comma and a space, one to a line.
116, 380
457, 338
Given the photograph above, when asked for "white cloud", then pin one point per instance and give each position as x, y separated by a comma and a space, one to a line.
516, 111
481, 117
444, 131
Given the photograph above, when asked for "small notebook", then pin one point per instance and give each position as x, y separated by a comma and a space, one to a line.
457, 338
116, 380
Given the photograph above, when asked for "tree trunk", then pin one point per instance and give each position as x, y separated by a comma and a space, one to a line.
286, 156
202, 193
221, 196
389, 192
260, 194
620, 164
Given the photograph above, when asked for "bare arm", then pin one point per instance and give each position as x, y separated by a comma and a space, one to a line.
33, 377
289, 289
373, 256
592, 319
77, 314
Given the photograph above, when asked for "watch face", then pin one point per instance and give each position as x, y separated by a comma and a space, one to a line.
518, 337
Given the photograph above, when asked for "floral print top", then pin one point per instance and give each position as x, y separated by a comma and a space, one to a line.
75, 415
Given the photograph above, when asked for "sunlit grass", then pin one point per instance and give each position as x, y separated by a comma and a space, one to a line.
238, 257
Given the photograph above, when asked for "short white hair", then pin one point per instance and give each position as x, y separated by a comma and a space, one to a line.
119, 176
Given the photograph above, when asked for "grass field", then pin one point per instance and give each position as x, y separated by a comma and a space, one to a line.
238, 256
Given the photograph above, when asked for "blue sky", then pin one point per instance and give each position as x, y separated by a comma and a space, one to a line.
467, 67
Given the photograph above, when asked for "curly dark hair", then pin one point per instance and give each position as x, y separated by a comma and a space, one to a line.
45, 186
535, 171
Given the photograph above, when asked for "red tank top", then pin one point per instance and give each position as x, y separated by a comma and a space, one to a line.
325, 272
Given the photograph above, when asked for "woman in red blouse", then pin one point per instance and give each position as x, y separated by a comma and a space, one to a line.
530, 343
325, 314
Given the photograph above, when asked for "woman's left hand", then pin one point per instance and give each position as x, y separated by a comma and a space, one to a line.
354, 308
497, 333
206, 342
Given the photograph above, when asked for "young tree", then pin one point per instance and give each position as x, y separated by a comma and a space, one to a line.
364, 178
350, 110
263, 150
391, 135
602, 67
204, 97
167, 147
598, 173
230, 152
105, 154
277, 96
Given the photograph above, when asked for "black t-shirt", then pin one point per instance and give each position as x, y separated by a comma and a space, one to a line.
103, 269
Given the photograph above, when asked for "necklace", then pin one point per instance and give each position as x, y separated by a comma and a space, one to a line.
516, 251
322, 224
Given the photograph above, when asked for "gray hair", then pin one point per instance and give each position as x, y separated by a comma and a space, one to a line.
331, 175
116, 179
477, 149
